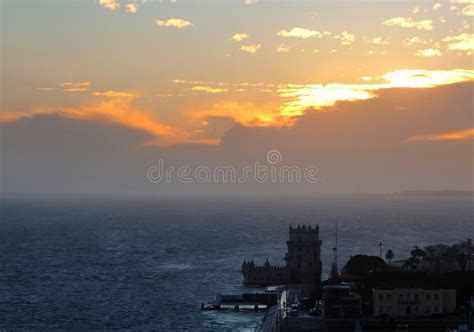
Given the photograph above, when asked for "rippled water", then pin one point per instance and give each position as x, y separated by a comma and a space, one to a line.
148, 264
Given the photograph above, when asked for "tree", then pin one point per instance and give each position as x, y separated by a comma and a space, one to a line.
411, 263
389, 256
363, 265
417, 253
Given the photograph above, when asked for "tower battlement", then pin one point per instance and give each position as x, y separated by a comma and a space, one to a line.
304, 233
304, 229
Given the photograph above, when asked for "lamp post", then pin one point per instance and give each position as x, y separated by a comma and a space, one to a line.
381, 248
278, 310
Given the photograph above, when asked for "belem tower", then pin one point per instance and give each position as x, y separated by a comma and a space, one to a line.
303, 261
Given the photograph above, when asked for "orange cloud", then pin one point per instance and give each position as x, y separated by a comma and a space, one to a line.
114, 94
468, 10
253, 48
462, 42
239, 37
246, 113
109, 4
208, 89
115, 111
299, 33
174, 23
429, 52
132, 8
379, 41
410, 23
414, 40
282, 48
345, 37
465, 134
69, 87
75, 86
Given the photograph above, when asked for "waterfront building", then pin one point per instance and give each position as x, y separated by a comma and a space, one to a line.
340, 302
264, 275
413, 301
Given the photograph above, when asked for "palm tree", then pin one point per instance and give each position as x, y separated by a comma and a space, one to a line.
389, 256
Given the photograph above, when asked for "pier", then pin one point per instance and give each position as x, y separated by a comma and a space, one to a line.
253, 301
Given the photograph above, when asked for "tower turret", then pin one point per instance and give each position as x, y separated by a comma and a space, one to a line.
304, 255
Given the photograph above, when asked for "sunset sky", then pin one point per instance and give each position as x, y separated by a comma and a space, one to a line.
188, 72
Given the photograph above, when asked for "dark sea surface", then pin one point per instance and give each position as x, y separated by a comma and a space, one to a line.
143, 264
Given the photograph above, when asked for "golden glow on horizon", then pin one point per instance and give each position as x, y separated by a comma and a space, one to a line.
466, 134
283, 104
316, 96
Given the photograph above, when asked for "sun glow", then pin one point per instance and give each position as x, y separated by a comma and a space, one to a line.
425, 78
318, 96
321, 97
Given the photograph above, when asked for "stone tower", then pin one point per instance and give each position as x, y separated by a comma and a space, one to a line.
303, 259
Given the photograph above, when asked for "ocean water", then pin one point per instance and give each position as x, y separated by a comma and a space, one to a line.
147, 264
